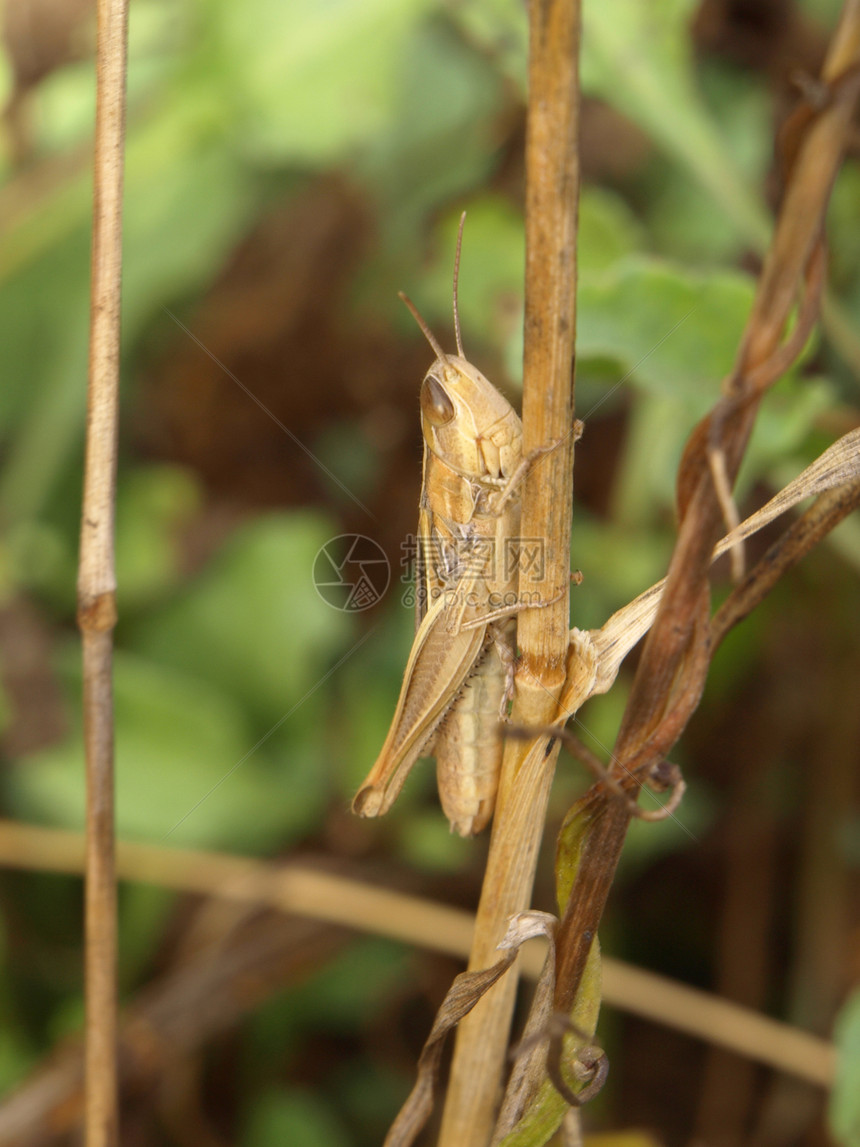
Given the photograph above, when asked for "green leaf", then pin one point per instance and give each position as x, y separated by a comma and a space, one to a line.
500, 28
648, 841
427, 844
644, 490
6, 84
144, 912
292, 1115
436, 150
618, 561
843, 1110
638, 57
17, 1059
491, 275
185, 203
546, 1110
640, 319
607, 231
675, 333
153, 503
183, 754
825, 12
367, 694
681, 216
62, 107
787, 418
253, 623
311, 82
372, 1091
572, 838
41, 558
540, 1121
352, 988
42, 404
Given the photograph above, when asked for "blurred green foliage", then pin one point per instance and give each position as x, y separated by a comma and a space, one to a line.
246, 713
844, 1109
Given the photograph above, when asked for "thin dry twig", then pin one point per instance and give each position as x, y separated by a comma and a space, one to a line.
662, 776
552, 179
96, 576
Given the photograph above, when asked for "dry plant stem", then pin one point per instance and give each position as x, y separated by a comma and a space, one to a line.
676, 653
96, 576
552, 178
100, 894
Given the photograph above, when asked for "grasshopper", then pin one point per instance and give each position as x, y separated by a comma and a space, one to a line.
456, 685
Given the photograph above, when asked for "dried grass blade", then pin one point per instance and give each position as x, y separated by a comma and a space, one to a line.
462, 996
596, 655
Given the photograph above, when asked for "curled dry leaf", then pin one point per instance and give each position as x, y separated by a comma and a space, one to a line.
556, 1063
462, 996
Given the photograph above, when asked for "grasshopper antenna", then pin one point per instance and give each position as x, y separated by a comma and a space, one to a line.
425, 330
456, 281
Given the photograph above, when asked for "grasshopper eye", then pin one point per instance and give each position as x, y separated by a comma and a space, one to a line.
436, 406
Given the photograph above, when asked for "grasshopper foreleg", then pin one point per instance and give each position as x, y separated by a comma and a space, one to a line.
513, 483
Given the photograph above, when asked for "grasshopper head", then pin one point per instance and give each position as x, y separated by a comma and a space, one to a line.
466, 423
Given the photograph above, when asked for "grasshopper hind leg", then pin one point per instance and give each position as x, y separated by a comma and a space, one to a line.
507, 611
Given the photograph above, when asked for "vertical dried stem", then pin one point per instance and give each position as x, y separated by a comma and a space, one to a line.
552, 179
96, 575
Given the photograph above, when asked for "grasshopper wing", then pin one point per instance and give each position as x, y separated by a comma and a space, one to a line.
439, 664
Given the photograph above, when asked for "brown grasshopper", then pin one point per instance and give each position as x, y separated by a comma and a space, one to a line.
456, 687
